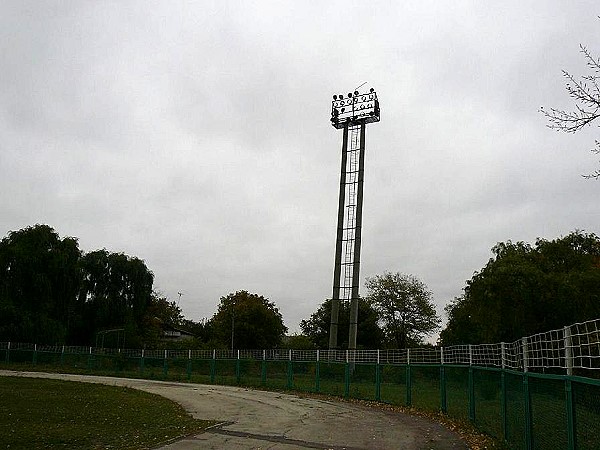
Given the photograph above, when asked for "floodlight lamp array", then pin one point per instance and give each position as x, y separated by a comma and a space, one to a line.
354, 109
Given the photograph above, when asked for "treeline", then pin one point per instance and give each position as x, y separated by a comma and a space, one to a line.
397, 312
526, 289
52, 292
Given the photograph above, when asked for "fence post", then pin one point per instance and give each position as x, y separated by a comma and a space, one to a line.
347, 377
34, 354
527, 397
90, 359
142, 362
8, 353
525, 354
571, 435
238, 374
503, 391
568, 350
119, 363
318, 374
528, 421
443, 399
290, 371
263, 369
213, 366
408, 379
471, 387
165, 364
189, 365
378, 379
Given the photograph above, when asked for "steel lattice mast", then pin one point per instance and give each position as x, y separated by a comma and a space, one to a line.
351, 114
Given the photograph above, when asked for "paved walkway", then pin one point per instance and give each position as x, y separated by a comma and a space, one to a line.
252, 419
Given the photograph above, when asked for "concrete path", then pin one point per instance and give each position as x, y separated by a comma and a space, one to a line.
251, 419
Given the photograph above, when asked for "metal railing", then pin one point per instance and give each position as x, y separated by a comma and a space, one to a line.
524, 393
573, 347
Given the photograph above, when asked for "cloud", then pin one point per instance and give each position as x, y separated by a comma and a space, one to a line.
197, 137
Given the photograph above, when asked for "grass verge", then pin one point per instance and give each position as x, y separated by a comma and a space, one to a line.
425, 390
44, 413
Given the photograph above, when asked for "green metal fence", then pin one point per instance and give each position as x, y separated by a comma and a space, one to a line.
525, 410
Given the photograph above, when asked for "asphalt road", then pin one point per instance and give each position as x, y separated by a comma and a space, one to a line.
252, 419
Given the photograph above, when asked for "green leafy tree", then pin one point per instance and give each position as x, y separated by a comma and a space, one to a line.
525, 289
51, 293
585, 91
250, 319
200, 329
39, 280
160, 312
405, 308
116, 291
298, 342
369, 334
460, 329
163, 310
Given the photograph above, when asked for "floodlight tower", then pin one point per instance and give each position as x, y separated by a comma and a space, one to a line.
350, 114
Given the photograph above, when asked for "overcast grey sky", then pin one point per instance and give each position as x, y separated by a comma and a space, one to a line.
196, 136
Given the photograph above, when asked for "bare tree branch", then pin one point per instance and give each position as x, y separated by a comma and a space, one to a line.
585, 91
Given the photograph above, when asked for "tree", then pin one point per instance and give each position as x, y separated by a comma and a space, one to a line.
39, 280
526, 289
405, 308
200, 329
160, 312
250, 320
585, 91
51, 293
369, 335
298, 342
115, 291
164, 310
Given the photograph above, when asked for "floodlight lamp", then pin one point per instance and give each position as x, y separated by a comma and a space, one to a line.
355, 109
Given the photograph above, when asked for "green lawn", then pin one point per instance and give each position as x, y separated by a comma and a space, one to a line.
548, 409
43, 413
